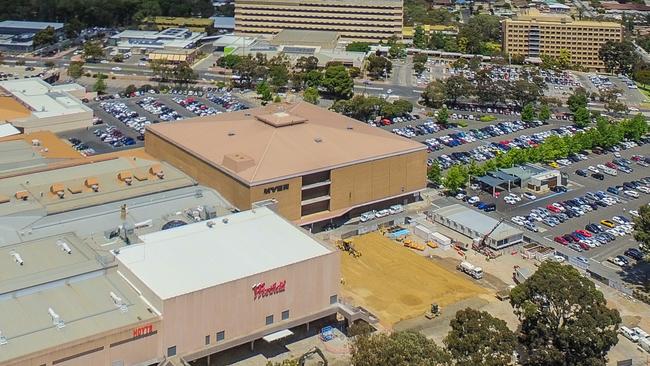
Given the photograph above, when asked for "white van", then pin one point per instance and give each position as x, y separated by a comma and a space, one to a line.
367, 216
629, 333
644, 343
640, 333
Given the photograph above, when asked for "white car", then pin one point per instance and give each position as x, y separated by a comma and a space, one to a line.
395, 209
530, 196
460, 196
559, 258
535, 216
593, 169
618, 220
519, 220
474, 187
633, 194
644, 189
473, 200
514, 197
509, 200
601, 166
116, 68
617, 262
634, 213
382, 213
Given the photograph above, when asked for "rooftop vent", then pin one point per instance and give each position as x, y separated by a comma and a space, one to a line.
92, 183
126, 177
281, 119
17, 258
64, 246
22, 195
58, 189
3, 339
350, 128
56, 319
318, 140
238, 161
225, 220
118, 302
231, 133
157, 171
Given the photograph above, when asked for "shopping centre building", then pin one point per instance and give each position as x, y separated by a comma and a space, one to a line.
174, 295
315, 164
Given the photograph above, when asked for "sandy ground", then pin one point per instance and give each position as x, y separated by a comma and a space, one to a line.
396, 284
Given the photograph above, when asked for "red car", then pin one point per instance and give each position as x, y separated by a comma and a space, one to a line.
611, 165
553, 209
584, 232
584, 245
561, 240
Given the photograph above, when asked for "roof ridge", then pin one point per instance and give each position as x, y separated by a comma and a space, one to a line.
266, 149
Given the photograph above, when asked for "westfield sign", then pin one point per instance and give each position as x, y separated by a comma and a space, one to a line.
260, 290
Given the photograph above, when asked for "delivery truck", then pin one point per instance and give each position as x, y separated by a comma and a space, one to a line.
470, 269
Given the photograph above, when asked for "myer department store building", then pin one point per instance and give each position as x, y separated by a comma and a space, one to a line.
317, 164
183, 293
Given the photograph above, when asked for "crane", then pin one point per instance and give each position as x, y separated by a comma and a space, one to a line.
315, 350
481, 244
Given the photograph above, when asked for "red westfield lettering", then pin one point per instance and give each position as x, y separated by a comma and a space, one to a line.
143, 330
260, 290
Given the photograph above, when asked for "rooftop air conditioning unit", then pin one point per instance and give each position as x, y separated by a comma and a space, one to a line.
17, 258
64, 246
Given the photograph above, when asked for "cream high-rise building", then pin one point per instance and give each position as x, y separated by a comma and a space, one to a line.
533, 35
371, 20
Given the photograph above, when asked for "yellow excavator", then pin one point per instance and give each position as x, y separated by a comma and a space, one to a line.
315, 350
347, 245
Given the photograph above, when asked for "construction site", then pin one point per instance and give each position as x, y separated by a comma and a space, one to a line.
395, 283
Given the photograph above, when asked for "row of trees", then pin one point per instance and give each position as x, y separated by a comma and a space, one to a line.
181, 72
335, 80
564, 320
82, 13
366, 108
485, 90
605, 134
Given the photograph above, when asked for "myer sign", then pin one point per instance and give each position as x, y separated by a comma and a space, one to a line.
282, 187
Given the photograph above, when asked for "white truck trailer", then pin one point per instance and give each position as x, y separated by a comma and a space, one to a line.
470, 269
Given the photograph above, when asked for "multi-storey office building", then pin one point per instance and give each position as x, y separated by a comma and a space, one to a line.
371, 20
533, 35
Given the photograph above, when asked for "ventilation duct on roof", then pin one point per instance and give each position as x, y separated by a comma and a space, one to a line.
237, 162
56, 319
118, 302
64, 246
3, 339
17, 258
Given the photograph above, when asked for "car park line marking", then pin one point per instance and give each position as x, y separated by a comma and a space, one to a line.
368, 87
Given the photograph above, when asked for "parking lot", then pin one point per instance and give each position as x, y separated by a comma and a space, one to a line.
123, 120
595, 83
580, 187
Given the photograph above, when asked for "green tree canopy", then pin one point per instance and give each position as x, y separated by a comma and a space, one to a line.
307, 63
337, 82
564, 318
582, 117
379, 66
435, 94
93, 51
264, 91
75, 70
577, 100
434, 174
478, 338
642, 228
456, 178
45, 37
358, 47
397, 349
420, 39
100, 86
544, 113
528, 113
311, 95
618, 57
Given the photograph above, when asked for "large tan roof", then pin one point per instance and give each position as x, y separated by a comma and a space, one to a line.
255, 148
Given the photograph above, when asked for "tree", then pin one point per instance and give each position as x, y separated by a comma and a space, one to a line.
279, 76
458, 86
478, 30
397, 349
100, 85
544, 113
307, 63
311, 95
577, 100
434, 174
642, 228
524, 92
73, 27
118, 58
478, 338
419, 37
354, 72
397, 50
564, 318
93, 51
264, 91
75, 70
130, 89
250, 69
420, 58
456, 178
337, 82
443, 116
184, 73
618, 57
528, 113
379, 66
313, 78
582, 117
435, 94
45, 37
229, 61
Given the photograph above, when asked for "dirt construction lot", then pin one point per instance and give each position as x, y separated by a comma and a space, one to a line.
396, 284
